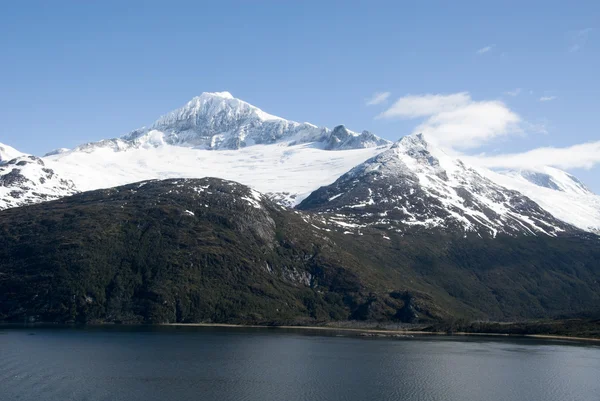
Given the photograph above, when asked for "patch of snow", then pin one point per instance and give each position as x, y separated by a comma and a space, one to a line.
252, 201
335, 197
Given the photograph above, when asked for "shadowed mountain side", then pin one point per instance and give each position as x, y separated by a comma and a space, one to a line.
210, 250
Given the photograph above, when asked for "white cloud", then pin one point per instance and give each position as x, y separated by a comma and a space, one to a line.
378, 98
458, 124
585, 155
486, 49
579, 39
413, 106
471, 126
513, 93
455, 120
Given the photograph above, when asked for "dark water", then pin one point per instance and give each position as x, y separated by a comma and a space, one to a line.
235, 364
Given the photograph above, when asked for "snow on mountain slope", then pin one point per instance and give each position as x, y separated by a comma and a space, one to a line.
415, 185
220, 121
552, 178
57, 151
218, 135
26, 179
7, 153
290, 172
565, 200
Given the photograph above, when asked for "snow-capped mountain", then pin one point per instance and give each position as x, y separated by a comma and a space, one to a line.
217, 135
57, 151
7, 153
552, 178
415, 185
556, 191
220, 121
26, 179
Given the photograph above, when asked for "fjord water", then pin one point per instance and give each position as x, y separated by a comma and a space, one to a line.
274, 364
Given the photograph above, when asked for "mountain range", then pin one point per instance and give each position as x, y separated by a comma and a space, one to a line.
210, 250
218, 135
297, 222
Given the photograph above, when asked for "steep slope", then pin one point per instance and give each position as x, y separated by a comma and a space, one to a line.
216, 251
551, 178
558, 192
7, 153
26, 179
415, 186
176, 250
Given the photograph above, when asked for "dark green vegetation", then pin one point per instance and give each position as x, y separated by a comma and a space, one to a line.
175, 251
583, 328
210, 250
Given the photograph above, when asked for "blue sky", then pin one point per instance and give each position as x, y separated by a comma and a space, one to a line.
73, 72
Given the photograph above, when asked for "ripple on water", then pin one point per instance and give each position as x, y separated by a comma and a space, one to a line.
224, 365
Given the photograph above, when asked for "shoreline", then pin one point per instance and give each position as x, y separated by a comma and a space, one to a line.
359, 332
391, 333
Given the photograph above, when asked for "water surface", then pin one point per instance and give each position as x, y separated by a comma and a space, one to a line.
273, 364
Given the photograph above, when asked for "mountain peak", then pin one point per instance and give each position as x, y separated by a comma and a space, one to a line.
551, 178
218, 121
224, 95
8, 153
57, 151
412, 141
212, 108
415, 186
342, 138
340, 128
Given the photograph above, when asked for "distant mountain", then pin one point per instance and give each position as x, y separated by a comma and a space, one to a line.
551, 178
557, 192
220, 121
209, 250
416, 186
26, 179
57, 151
